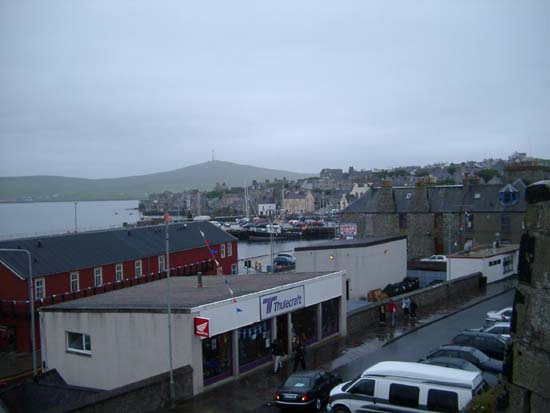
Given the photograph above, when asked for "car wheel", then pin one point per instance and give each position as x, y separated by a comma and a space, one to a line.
318, 404
340, 409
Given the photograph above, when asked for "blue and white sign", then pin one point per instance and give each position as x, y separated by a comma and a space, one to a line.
282, 302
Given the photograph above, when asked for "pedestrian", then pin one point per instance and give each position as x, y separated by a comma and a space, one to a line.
277, 351
392, 308
406, 305
414, 306
382, 314
299, 354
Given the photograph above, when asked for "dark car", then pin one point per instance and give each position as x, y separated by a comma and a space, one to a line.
461, 364
491, 344
306, 389
283, 260
471, 354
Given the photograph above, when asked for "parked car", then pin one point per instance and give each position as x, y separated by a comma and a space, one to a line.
435, 258
501, 328
286, 254
393, 386
471, 354
491, 344
282, 260
501, 315
306, 389
460, 364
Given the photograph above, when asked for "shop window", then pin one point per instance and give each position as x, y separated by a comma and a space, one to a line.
304, 324
75, 287
330, 311
254, 345
216, 358
79, 343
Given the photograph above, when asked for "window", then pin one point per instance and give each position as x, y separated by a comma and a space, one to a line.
138, 268
98, 277
229, 249
330, 316
79, 343
39, 288
365, 387
403, 395
234, 269
442, 401
508, 264
119, 272
509, 196
162, 263
74, 282
222, 250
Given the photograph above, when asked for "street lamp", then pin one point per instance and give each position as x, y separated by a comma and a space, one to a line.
169, 310
31, 303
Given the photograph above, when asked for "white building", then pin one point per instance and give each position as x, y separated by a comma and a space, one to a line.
121, 337
493, 263
267, 209
369, 263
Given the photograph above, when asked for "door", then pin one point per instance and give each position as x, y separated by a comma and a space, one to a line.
282, 331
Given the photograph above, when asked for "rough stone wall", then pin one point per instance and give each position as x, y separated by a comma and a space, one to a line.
527, 363
449, 232
420, 242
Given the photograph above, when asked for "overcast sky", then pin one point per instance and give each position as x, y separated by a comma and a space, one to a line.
115, 88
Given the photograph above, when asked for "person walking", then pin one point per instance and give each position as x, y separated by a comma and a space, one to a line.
414, 306
406, 305
392, 308
382, 314
299, 354
277, 351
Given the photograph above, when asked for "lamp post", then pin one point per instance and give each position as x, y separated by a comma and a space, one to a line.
169, 311
31, 304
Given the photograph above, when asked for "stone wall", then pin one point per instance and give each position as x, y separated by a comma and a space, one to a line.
527, 362
367, 317
419, 235
143, 396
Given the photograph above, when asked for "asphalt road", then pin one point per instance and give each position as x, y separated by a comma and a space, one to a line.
416, 344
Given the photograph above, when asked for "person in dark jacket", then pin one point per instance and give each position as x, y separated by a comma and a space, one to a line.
277, 351
414, 306
299, 354
382, 314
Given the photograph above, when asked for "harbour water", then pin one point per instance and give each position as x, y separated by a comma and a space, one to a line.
48, 218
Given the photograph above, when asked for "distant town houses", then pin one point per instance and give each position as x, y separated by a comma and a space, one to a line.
300, 202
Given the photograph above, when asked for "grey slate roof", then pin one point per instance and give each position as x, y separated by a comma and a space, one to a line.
151, 297
70, 252
444, 199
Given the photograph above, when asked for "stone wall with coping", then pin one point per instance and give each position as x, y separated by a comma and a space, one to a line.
527, 360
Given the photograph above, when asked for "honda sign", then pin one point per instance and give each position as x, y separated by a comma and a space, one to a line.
202, 327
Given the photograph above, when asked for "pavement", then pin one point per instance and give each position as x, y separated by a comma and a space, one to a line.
255, 390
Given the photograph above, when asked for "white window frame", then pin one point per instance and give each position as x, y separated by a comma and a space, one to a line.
138, 268
74, 277
39, 288
229, 249
98, 275
86, 344
222, 250
234, 269
162, 263
119, 272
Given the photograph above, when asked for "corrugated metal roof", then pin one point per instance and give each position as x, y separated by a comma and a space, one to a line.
69, 252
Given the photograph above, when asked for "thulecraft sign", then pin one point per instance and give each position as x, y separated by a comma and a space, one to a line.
281, 302
202, 327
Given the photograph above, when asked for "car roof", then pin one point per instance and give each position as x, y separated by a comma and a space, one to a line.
419, 371
480, 334
499, 324
467, 349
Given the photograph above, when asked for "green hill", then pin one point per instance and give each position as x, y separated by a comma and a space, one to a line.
202, 176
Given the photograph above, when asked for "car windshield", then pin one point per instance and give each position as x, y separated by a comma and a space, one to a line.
298, 382
349, 383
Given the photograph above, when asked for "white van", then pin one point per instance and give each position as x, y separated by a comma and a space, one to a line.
394, 386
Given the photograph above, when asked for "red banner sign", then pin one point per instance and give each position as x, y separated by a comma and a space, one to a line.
202, 327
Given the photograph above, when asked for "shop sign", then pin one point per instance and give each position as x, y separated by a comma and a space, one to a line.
281, 302
202, 327
348, 230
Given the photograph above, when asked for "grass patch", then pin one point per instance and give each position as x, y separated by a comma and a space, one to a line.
485, 402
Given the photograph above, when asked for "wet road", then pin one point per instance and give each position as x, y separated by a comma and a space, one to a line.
413, 346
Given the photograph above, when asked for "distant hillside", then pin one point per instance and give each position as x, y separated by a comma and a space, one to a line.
202, 176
